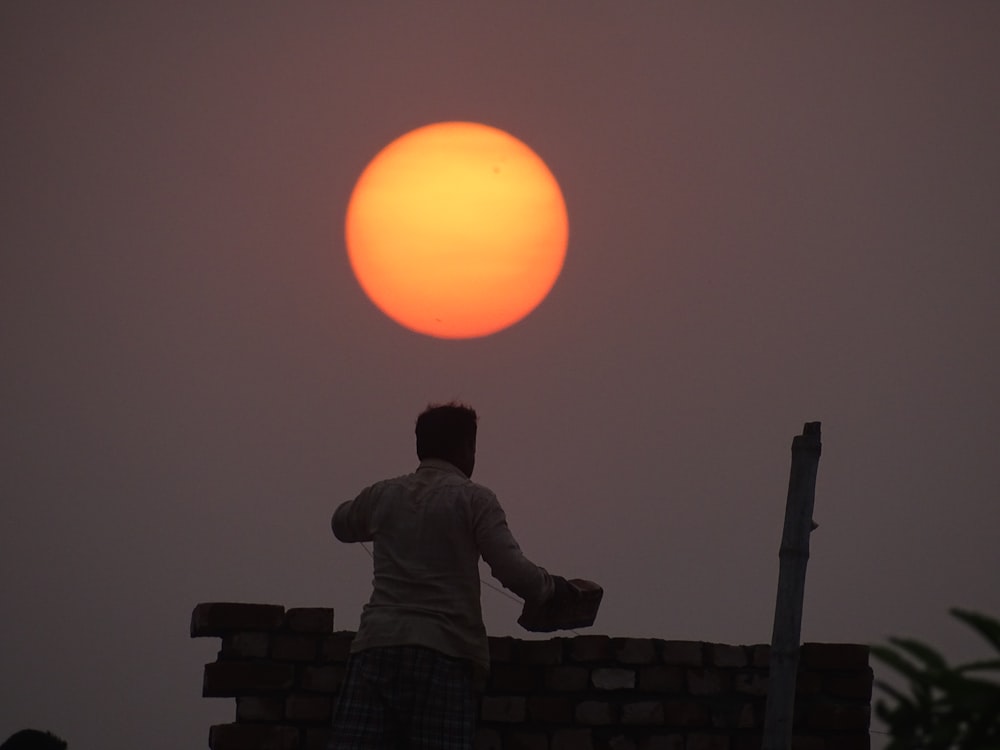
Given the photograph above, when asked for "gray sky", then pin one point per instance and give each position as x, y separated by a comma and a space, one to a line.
778, 214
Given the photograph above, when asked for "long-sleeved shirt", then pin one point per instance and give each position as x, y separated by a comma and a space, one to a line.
429, 530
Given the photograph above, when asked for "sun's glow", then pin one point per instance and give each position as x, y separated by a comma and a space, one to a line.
457, 230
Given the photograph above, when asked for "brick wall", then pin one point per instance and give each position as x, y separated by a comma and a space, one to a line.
589, 692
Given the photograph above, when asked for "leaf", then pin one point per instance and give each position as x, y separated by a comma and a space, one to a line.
923, 652
987, 627
898, 695
961, 688
917, 677
901, 699
980, 666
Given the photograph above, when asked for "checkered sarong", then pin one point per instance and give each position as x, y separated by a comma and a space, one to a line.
405, 697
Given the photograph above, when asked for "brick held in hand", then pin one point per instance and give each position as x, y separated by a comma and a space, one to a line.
576, 608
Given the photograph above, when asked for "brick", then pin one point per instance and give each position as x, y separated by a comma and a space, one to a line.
750, 683
251, 708
856, 685
634, 650
594, 713
681, 653
590, 648
308, 707
823, 715
541, 652
551, 709
337, 646
760, 655
662, 742
808, 683
685, 714
487, 739
294, 647
708, 681
527, 741
515, 678
245, 645
851, 741
642, 713
322, 679
661, 679
501, 650
751, 717
231, 678
698, 741
317, 738
749, 741
572, 739
317, 620
732, 713
833, 656
613, 678
802, 742
503, 708
720, 655
220, 618
621, 742
253, 737
567, 679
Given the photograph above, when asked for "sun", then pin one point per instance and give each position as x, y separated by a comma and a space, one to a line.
457, 230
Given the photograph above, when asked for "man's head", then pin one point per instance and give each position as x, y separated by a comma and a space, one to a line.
448, 432
33, 739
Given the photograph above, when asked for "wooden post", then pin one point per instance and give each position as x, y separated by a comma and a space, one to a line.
793, 557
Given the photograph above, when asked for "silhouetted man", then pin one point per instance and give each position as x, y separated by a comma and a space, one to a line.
421, 646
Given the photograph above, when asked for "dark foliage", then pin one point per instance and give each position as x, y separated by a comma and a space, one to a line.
943, 707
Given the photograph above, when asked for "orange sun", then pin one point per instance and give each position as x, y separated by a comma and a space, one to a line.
456, 230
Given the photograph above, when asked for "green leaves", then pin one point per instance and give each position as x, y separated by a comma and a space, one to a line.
942, 707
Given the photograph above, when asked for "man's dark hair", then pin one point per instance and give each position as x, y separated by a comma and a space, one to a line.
444, 429
33, 739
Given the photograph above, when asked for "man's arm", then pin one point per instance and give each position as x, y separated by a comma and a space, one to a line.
503, 554
351, 521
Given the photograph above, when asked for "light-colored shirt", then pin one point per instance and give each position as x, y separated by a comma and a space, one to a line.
429, 530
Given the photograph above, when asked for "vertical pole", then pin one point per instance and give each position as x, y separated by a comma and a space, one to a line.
793, 557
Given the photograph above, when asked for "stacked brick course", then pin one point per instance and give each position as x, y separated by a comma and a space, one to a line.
589, 692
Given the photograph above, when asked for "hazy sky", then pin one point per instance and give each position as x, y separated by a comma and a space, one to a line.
779, 213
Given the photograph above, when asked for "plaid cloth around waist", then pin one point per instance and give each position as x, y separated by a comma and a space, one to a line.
405, 697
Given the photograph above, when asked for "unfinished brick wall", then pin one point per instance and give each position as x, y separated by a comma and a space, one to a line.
589, 692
